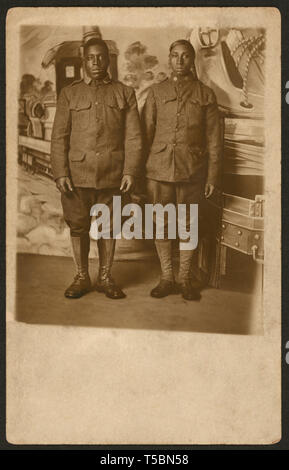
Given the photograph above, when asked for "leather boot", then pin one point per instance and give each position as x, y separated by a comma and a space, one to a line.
186, 288
105, 283
81, 284
166, 285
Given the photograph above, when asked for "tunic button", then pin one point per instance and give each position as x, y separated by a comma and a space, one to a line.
97, 154
174, 144
96, 102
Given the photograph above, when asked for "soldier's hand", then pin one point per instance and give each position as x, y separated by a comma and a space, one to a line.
64, 184
209, 189
127, 183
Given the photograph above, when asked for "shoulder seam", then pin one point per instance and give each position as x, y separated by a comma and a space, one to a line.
75, 82
206, 87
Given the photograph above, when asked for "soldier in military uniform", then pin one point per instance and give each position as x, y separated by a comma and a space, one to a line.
182, 140
95, 154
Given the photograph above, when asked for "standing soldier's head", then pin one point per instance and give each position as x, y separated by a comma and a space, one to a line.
96, 58
182, 57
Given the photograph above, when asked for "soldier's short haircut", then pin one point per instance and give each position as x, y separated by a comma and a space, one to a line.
95, 42
184, 42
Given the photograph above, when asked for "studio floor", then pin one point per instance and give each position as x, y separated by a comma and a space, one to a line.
235, 308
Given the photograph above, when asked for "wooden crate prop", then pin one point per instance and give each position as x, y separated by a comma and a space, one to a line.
242, 226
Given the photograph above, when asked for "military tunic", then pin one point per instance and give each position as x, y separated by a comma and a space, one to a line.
182, 131
181, 128
96, 139
96, 136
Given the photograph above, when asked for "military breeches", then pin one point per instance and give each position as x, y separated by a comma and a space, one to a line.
160, 192
77, 205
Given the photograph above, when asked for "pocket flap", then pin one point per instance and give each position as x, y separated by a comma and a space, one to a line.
169, 97
76, 156
201, 100
196, 151
158, 147
196, 101
80, 104
115, 102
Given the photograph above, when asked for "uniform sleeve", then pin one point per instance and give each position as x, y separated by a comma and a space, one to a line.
148, 122
214, 142
60, 137
132, 138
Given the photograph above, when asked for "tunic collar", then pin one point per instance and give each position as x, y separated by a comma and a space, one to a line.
103, 81
182, 78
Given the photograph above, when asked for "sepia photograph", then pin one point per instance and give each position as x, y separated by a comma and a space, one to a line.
143, 225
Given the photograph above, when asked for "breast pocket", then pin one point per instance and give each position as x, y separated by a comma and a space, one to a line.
115, 112
80, 114
167, 108
195, 111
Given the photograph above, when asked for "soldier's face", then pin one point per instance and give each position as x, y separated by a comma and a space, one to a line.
96, 61
181, 59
